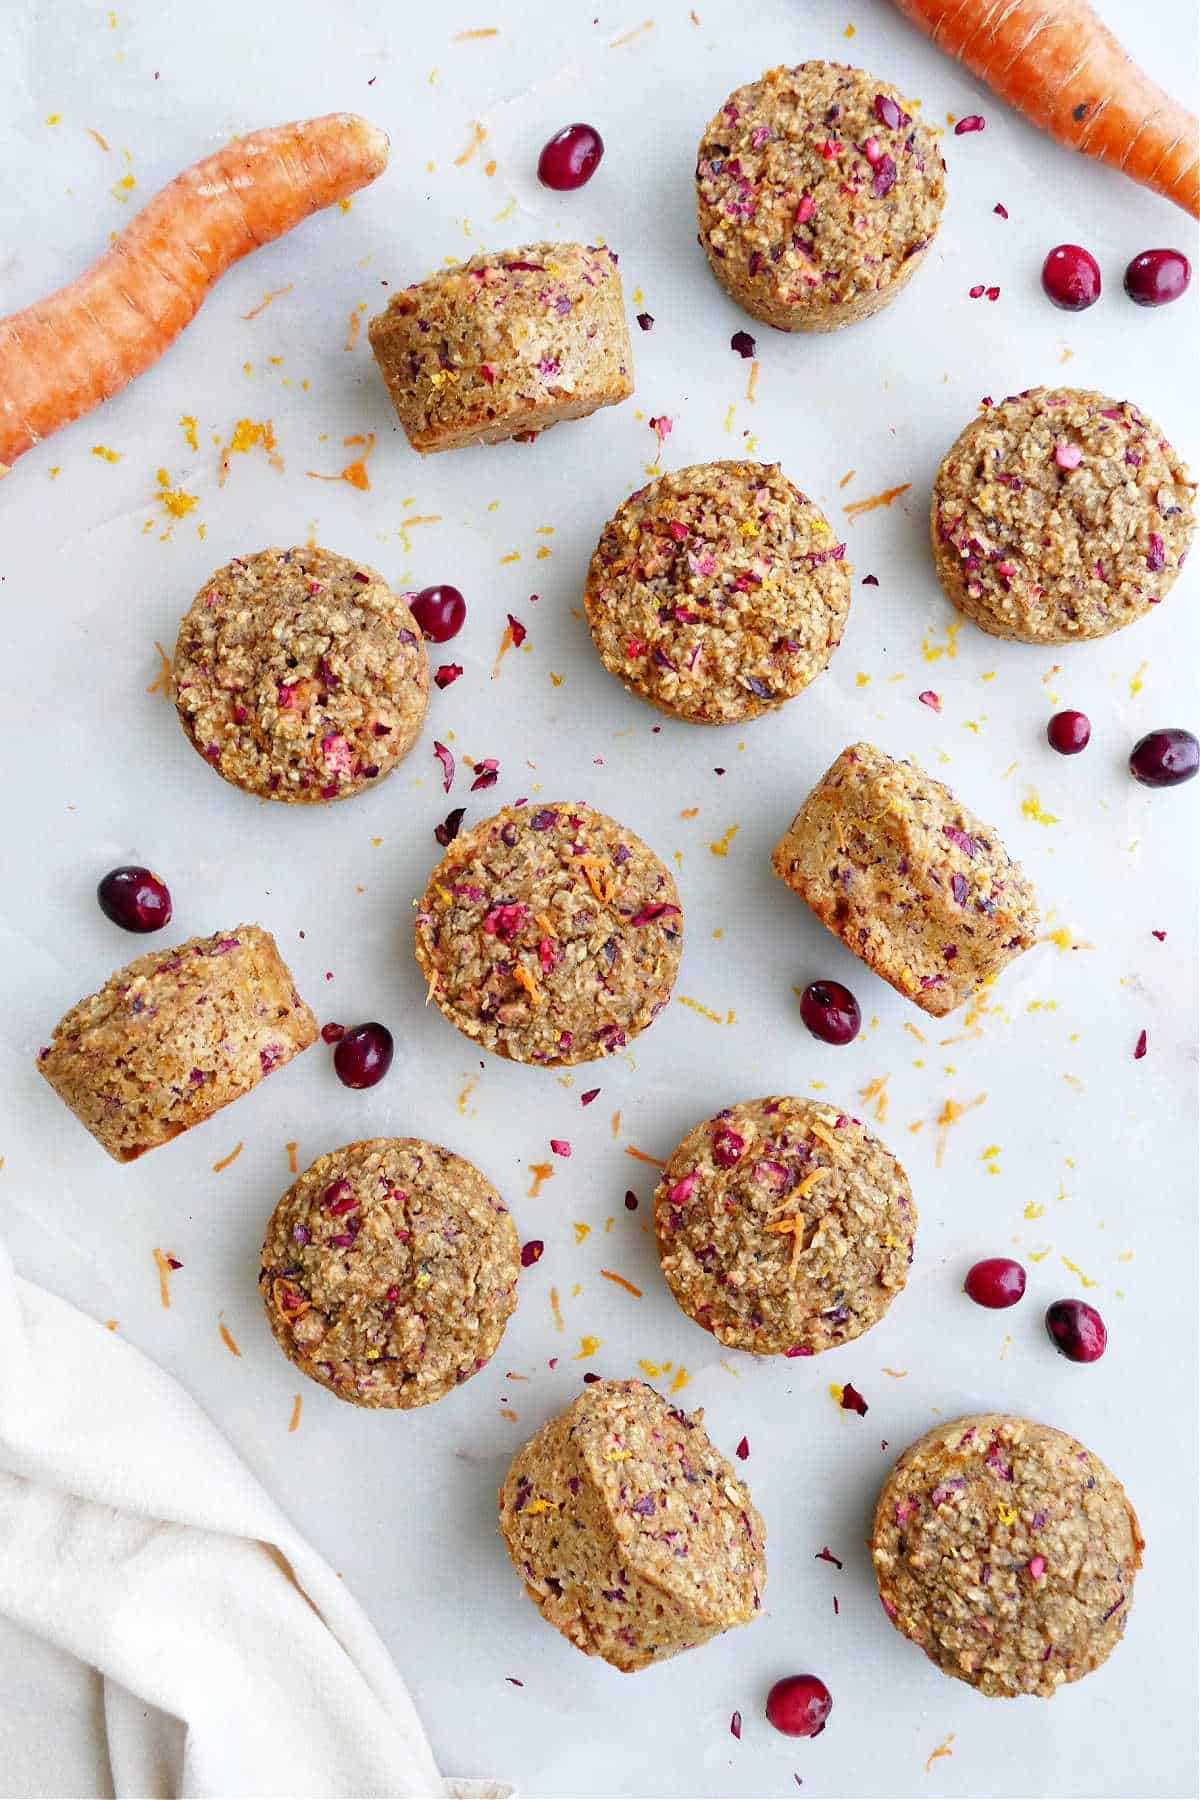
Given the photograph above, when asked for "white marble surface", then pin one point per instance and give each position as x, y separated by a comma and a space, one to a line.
1096, 1160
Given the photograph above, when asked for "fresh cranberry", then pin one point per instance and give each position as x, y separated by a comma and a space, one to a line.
995, 1282
1071, 277
1076, 1330
135, 899
830, 1011
363, 1055
799, 1706
1165, 758
1069, 732
1157, 277
440, 612
571, 158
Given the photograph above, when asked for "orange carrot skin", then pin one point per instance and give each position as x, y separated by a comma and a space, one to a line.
67, 353
1059, 66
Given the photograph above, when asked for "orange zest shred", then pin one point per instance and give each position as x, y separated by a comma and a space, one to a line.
355, 473
910, 1027
627, 37
877, 1091
541, 1172
621, 1282
162, 681
616, 1124
680, 1381
950, 1114
943, 1749
556, 1309
297, 1402
847, 478
353, 329
897, 1374
546, 923
226, 1160
506, 1412
291, 1156
506, 644
856, 508
753, 381
588, 1346
795, 1226
478, 134
275, 294
243, 438
827, 1138
484, 31
227, 1338
594, 870
641, 1156
103, 143
163, 1265
528, 980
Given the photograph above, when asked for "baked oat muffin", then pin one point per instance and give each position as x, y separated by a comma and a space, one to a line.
819, 194
918, 887
636, 1539
1007, 1552
550, 934
299, 675
389, 1272
175, 1036
784, 1227
505, 345
718, 592
1059, 514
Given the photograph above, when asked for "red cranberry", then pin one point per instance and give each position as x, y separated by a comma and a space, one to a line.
1071, 277
364, 1055
571, 158
440, 612
830, 1011
1069, 732
135, 899
1157, 277
1165, 758
799, 1706
333, 1033
1076, 1330
995, 1282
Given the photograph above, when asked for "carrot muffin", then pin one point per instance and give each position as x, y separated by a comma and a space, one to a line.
784, 1227
505, 345
1007, 1552
918, 887
550, 934
819, 194
718, 592
299, 675
1059, 515
636, 1539
175, 1036
389, 1272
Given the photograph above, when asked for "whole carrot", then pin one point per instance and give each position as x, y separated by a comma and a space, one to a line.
64, 355
1064, 71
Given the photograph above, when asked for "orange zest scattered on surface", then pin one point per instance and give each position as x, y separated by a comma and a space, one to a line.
680, 1382
950, 1114
541, 1172
706, 1011
506, 644
795, 1227
226, 1160
689, 812
355, 473
877, 1091
245, 435
616, 1125
1031, 808
478, 134
847, 478
111, 1324
588, 1346
1137, 682
464, 1094
105, 454
162, 681
506, 1412
470, 37
227, 1338
856, 508
752, 384
943, 1749
1084, 1280
826, 1137
489, 167
174, 502
556, 1309
1063, 940
598, 878
525, 977
931, 651
641, 1156
653, 1370
275, 294
581, 1231
297, 1402
627, 37
621, 1282
910, 1027
897, 1374
353, 329
162, 1263
103, 142
721, 845
291, 1156
187, 425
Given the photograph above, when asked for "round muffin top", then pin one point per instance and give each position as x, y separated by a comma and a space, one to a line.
389, 1271
784, 1227
1060, 514
550, 934
816, 184
718, 592
1007, 1552
299, 675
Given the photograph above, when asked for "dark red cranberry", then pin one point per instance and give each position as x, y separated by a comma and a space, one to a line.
440, 612
1165, 758
830, 1011
1157, 277
135, 899
363, 1055
995, 1282
1071, 277
571, 158
1076, 1330
333, 1033
799, 1706
1069, 732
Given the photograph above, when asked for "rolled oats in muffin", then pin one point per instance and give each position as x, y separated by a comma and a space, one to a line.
299, 675
819, 194
550, 934
784, 1227
1007, 1552
718, 592
635, 1537
1060, 514
389, 1272
505, 345
910, 880
175, 1036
